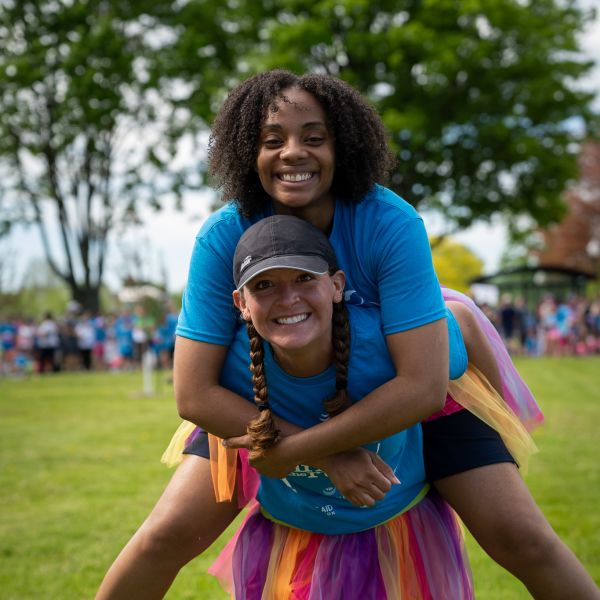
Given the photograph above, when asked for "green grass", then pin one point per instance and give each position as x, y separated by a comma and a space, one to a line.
79, 471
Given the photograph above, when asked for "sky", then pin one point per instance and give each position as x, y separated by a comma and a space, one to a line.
171, 233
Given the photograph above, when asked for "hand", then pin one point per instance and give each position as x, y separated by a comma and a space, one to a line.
272, 463
360, 475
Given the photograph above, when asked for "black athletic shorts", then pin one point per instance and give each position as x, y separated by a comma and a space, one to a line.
460, 442
451, 444
199, 445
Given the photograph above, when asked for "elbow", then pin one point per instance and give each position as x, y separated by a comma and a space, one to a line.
435, 394
184, 408
186, 413
188, 407
438, 399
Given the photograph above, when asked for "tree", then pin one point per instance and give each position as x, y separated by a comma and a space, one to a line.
455, 264
83, 141
575, 241
478, 95
96, 97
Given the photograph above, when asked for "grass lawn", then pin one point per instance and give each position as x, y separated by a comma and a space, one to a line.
79, 471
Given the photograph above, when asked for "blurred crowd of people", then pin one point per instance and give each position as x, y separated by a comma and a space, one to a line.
567, 326
79, 340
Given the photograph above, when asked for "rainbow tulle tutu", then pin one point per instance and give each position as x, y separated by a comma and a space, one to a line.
418, 555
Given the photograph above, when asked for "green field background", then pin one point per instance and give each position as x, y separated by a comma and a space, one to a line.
79, 471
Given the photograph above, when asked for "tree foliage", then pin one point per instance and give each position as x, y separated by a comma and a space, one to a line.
478, 95
456, 266
97, 96
575, 241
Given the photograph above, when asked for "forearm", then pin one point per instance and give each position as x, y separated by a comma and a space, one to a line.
420, 357
200, 397
393, 407
225, 414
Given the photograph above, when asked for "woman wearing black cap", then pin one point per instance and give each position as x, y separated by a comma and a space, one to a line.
311, 359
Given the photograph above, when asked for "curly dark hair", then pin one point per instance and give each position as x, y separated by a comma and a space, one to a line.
362, 155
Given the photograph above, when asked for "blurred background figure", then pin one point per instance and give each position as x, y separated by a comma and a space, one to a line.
48, 342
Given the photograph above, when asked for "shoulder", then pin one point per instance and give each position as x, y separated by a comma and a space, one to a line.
226, 220
381, 200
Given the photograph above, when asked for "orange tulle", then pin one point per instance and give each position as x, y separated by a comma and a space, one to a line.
223, 468
289, 545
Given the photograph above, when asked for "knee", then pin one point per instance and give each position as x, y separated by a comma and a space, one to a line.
167, 539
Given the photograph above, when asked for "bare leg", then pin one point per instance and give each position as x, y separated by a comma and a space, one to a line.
498, 509
185, 521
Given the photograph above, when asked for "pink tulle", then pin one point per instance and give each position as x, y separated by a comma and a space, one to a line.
248, 479
514, 390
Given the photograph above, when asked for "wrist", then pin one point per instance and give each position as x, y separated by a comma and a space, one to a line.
287, 450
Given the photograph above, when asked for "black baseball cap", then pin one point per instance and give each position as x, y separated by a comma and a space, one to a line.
282, 242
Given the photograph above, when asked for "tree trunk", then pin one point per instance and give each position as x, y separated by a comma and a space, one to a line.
87, 297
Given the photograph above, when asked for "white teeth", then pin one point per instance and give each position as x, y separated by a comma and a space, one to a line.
295, 176
292, 320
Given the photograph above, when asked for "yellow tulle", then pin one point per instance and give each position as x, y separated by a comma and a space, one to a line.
173, 454
475, 393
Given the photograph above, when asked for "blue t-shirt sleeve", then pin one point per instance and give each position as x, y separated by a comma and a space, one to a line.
458, 358
409, 290
207, 310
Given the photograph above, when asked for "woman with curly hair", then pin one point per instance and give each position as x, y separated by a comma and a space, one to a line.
312, 147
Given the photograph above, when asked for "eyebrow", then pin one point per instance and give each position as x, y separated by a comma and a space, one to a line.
304, 126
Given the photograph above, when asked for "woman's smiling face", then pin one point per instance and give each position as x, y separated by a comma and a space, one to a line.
292, 309
296, 158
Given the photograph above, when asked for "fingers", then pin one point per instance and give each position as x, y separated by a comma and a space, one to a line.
368, 495
367, 492
360, 499
242, 441
384, 469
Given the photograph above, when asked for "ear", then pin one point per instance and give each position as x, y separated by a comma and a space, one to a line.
240, 303
339, 281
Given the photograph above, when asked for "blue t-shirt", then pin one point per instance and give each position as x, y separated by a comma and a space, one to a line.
306, 498
381, 245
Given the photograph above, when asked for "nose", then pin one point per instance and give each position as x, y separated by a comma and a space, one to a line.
288, 294
293, 150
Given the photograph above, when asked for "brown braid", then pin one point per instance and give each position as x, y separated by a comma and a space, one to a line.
262, 430
340, 339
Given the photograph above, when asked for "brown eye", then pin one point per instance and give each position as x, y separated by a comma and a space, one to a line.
272, 143
263, 284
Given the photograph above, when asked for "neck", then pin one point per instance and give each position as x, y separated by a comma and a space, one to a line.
321, 215
304, 362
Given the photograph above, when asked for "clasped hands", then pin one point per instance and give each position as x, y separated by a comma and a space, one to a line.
360, 475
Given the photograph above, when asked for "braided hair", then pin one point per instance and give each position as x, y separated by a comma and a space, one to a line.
262, 430
362, 154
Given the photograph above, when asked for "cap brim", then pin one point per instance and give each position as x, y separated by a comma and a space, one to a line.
311, 264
